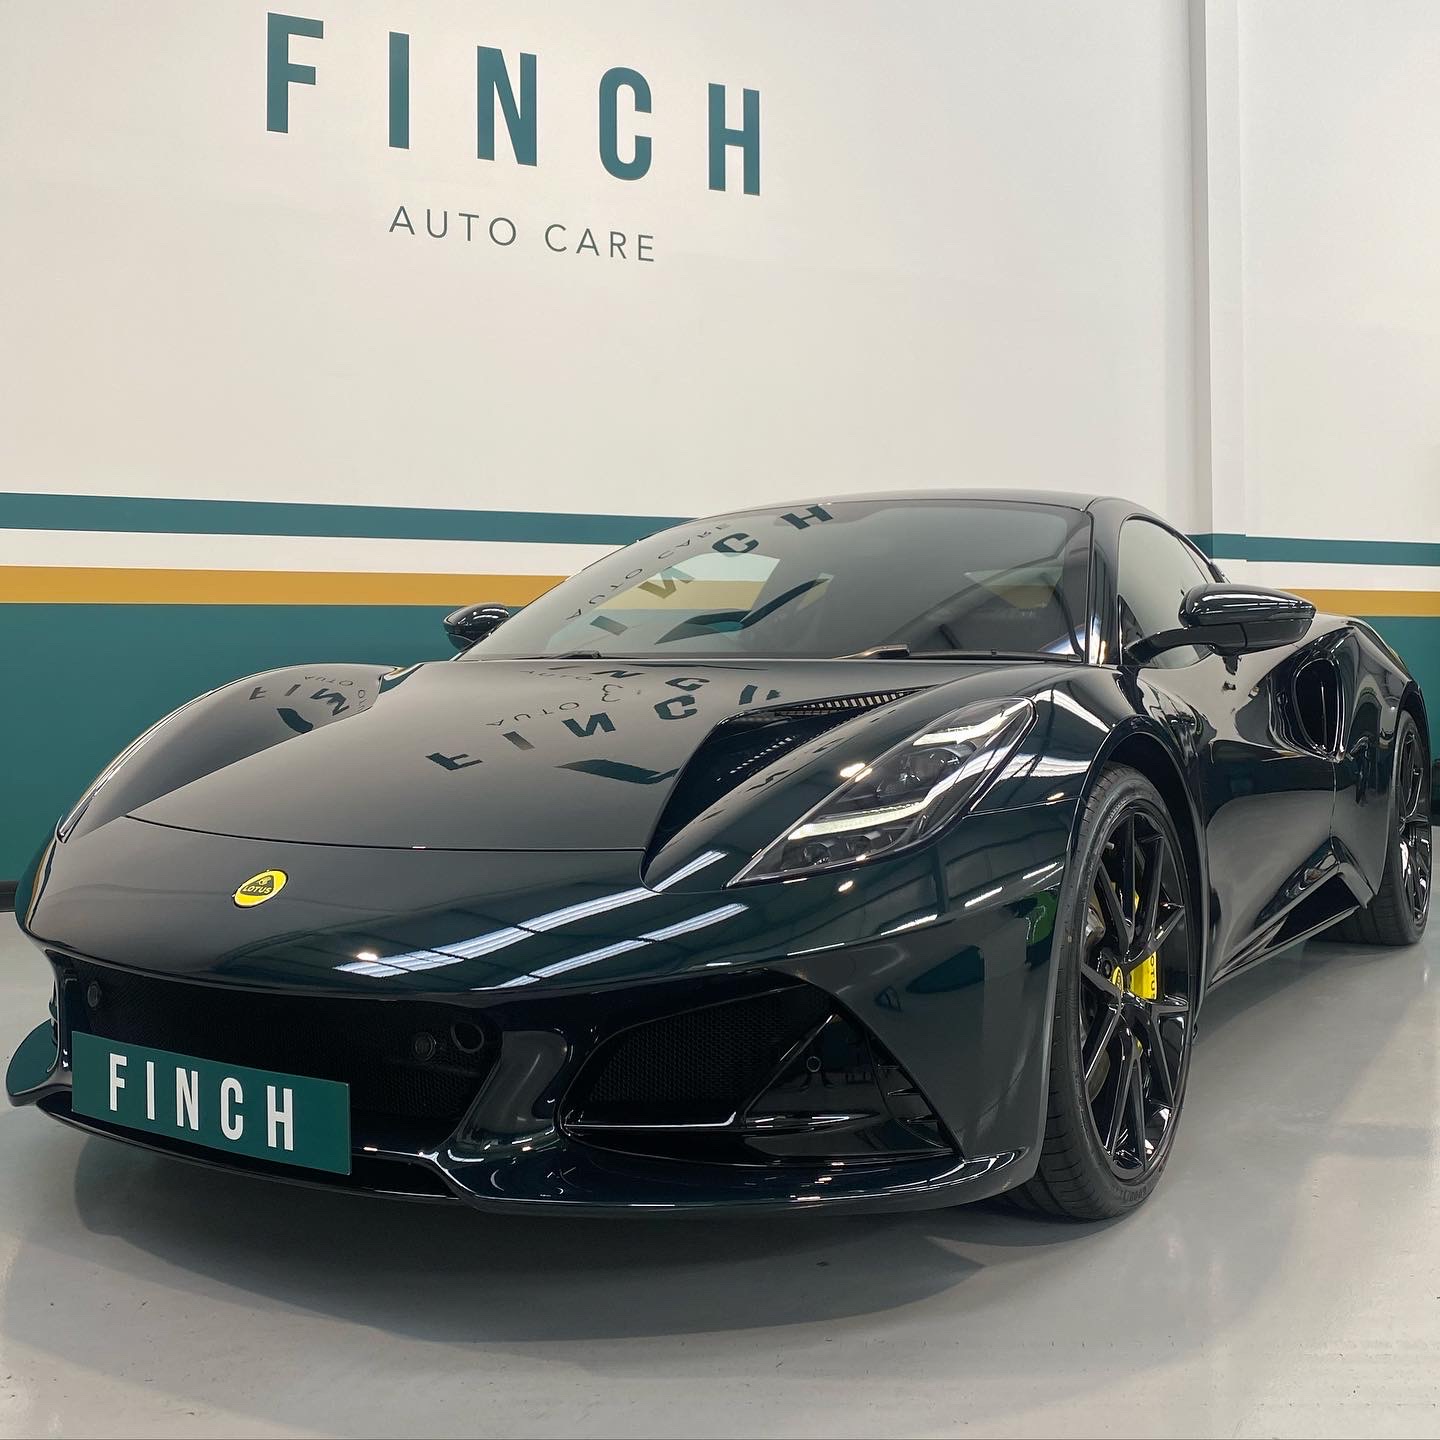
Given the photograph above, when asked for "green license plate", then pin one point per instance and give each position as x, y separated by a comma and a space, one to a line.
290, 1118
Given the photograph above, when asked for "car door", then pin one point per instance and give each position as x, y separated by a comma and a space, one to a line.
1267, 793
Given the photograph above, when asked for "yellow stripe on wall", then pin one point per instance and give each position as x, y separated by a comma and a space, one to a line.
1374, 602
100, 585
62, 585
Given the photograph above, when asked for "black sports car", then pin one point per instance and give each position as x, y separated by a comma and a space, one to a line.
874, 852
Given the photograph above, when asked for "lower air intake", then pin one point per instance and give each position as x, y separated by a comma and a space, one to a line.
700, 1066
783, 1077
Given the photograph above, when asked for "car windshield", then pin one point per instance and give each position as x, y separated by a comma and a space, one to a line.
923, 577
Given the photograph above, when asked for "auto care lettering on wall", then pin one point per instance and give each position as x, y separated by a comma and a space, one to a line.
506, 105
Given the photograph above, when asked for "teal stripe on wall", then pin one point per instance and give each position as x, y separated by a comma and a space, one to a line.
1334, 552
1417, 639
153, 516
84, 680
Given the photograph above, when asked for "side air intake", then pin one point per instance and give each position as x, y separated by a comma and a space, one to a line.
745, 744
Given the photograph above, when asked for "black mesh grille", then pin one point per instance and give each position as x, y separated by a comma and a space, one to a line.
846, 704
369, 1045
699, 1066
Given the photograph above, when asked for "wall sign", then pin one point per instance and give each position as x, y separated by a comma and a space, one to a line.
507, 90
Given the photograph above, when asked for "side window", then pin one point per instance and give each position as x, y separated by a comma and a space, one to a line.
1156, 570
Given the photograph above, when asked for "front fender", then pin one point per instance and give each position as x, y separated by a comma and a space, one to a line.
1096, 718
218, 728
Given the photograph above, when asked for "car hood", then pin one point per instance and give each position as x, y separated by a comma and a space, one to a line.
513, 755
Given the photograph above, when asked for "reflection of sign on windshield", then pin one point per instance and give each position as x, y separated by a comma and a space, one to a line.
935, 578
719, 622
730, 559
720, 590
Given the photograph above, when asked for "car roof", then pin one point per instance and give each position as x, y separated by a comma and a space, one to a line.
1059, 499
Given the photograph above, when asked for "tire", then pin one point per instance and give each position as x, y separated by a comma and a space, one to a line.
1101, 1155
1398, 913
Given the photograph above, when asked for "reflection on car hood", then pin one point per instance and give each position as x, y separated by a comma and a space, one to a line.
514, 755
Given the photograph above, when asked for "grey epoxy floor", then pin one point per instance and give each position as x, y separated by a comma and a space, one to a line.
1285, 1279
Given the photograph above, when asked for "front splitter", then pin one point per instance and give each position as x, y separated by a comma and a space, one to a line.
566, 1177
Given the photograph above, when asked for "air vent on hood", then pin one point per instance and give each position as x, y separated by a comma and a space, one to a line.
847, 704
746, 743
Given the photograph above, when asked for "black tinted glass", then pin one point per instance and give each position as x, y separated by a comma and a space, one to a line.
1156, 570
975, 577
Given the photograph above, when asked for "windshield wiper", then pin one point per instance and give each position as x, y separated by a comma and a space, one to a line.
985, 655
904, 652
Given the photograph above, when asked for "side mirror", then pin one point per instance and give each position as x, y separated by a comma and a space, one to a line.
1233, 619
471, 623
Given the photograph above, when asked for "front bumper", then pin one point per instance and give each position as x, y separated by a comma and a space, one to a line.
596, 1183
912, 1074
549, 1127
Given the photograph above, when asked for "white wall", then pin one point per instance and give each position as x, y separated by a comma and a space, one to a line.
1318, 152
1180, 249
1340, 166
970, 261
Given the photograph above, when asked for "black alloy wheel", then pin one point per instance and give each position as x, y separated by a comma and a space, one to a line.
1127, 991
1412, 787
1137, 997
1401, 906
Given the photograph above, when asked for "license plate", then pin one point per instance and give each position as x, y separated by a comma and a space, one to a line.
290, 1118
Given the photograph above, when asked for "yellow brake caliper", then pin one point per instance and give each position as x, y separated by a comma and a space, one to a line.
1145, 979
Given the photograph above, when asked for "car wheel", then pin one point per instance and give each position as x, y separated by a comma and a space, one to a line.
1401, 906
1126, 994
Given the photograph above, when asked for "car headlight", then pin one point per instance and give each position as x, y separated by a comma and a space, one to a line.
902, 798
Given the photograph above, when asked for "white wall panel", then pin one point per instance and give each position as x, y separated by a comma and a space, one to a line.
1340, 157
970, 260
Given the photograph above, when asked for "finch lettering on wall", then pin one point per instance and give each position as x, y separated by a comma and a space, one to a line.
506, 90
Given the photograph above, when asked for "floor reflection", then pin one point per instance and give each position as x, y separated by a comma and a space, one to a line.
1279, 1236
